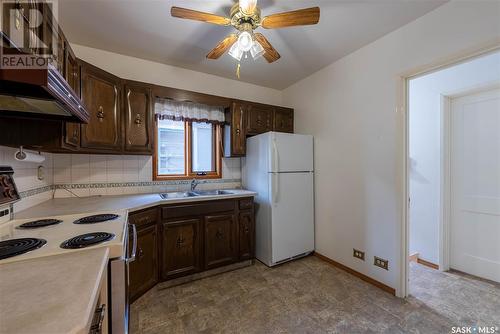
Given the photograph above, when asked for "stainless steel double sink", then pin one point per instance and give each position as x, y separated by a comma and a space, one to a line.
195, 193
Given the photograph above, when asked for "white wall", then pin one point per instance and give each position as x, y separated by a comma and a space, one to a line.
425, 133
351, 107
151, 72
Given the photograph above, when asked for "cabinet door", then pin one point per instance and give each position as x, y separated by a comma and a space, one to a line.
246, 235
220, 237
144, 270
72, 76
180, 248
101, 96
259, 119
238, 135
283, 120
138, 118
72, 71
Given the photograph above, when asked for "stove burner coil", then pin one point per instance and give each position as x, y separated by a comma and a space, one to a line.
87, 240
13, 247
96, 219
40, 223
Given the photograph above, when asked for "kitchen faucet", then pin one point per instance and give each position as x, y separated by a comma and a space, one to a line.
194, 184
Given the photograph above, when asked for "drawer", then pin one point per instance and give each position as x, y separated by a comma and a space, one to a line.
143, 218
246, 203
198, 209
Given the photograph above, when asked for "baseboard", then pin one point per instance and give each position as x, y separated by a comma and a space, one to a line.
428, 264
353, 272
413, 257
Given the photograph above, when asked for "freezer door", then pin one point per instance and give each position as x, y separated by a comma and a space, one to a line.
290, 153
292, 206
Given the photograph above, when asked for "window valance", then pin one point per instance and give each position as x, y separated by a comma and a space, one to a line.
188, 111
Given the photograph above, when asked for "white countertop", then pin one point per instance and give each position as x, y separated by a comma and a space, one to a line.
53, 294
73, 205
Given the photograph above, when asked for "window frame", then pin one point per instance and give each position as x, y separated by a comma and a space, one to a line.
217, 154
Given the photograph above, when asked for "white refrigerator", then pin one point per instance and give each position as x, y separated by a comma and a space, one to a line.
280, 168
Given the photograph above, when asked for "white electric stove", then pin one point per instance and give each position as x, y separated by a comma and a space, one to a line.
31, 238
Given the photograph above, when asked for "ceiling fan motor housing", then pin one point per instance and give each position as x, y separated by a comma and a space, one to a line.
241, 21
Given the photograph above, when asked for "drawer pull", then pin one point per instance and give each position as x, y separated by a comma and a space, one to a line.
138, 120
180, 241
100, 113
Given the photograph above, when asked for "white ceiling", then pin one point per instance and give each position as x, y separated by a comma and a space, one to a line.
145, 29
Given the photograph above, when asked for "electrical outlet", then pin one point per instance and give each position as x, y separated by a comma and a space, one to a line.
358, 254
384, 264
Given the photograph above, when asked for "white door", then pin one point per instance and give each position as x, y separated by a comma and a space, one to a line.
475, 184
292, 208
291, 152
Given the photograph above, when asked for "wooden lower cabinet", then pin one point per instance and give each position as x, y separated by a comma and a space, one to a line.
180, 248
220, 240
246, 235
144, 270
190, 238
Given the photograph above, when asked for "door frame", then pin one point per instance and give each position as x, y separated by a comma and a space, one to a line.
403, 107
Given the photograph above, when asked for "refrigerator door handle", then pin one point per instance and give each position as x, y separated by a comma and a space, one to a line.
276, 160
276, 185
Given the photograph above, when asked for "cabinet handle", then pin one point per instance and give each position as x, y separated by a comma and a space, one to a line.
238, 131
100, 113
141, 253
75, 134
180, 241
246, 229
138, 120
219, 234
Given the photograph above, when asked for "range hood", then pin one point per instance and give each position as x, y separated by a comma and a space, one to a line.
39, 93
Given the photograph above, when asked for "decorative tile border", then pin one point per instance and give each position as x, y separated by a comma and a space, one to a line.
36, 191
139, 184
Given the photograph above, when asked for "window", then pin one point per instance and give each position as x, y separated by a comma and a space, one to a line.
187, 149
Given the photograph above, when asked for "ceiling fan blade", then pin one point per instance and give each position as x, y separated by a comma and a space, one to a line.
222, 47
299, 17
271, 54
190, 14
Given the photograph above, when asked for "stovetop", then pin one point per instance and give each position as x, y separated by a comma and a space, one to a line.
59, 230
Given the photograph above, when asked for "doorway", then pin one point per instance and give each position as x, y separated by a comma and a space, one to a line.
454, 170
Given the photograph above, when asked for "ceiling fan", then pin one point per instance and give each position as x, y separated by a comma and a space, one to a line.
245, 16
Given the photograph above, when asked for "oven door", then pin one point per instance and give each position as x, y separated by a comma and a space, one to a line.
119, 284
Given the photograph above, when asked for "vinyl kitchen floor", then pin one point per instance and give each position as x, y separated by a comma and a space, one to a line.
311, 296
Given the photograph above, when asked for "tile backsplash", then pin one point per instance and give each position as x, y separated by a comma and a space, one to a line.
82, 175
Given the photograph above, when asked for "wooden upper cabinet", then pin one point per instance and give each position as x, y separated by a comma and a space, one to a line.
138, 118
283, 120
101, 95
235, 131
220, 240
72, 76
259, 118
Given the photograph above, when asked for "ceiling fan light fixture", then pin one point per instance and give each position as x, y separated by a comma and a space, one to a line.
245, 41
236, 52
248, 7
257, 50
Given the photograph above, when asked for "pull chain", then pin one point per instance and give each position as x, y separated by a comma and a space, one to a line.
238, 70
